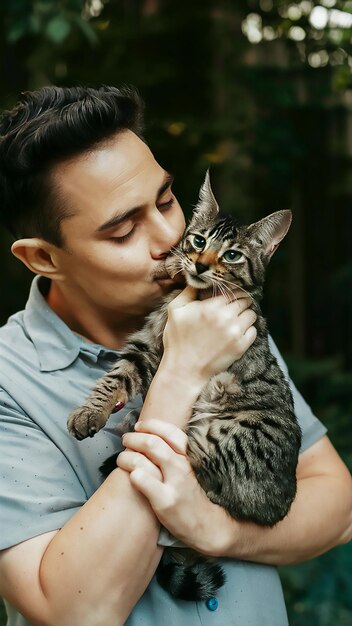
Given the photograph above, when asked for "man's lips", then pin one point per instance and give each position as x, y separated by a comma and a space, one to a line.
161, 275
165, 280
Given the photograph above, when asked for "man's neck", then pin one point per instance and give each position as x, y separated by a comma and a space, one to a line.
99, 326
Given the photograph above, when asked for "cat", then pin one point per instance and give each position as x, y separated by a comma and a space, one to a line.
243, 436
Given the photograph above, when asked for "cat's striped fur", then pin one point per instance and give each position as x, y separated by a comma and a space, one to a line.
243, 435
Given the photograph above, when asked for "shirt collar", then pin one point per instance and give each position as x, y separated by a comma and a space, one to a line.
56, 345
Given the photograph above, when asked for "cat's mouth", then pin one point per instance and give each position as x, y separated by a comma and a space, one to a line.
194, 280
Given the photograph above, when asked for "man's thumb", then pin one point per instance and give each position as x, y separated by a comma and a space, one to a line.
187, 295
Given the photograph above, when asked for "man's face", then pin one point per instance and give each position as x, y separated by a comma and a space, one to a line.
125, 220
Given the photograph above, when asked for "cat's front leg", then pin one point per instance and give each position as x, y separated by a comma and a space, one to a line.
121, 384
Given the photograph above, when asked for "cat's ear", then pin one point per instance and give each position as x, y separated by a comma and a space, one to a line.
271, 230
207, 209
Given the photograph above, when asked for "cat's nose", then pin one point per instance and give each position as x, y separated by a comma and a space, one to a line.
200, 267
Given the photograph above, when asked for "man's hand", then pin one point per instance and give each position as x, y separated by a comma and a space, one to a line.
203, 338
155, 456
159, 469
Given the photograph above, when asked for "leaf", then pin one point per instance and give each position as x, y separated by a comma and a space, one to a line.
34, 24
58, 28
44, 8
18, 29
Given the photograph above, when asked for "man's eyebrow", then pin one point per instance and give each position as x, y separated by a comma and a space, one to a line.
122, 217
168, 180
117, 219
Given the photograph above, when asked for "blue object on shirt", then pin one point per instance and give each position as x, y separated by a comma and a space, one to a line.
212, 604
46, 475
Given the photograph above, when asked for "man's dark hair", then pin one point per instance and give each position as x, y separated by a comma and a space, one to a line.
45, 128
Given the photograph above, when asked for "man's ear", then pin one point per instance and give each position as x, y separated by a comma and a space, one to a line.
39, 256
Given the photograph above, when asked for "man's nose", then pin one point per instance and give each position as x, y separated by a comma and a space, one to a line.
163, 238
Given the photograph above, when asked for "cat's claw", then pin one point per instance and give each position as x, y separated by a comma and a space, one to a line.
84, 422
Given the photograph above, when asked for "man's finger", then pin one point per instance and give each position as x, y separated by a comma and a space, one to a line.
240, 293
173, 435
246, 319
241, 304
130, 460
156, 450
154, 490
250, 336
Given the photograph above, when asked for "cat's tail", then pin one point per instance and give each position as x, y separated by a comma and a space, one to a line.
199, 581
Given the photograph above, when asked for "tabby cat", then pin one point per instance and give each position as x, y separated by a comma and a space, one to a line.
243, 437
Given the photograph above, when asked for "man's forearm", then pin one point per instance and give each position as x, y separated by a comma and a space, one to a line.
115, 533
94, 570
320, 518
305, 533
175, 403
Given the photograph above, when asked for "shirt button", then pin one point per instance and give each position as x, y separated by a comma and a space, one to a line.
212, 604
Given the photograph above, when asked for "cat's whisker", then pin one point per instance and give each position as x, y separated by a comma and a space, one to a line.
225, 292
214, 292
177, 261
177, 253
223, 286
229, 282
178, 266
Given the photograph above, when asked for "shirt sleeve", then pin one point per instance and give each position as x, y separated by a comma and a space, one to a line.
39, 491
312, 428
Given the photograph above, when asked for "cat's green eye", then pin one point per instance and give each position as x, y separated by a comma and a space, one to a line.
232, 255
198, 241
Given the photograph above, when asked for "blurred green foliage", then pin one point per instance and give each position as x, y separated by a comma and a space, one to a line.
2, 615
320, 591
260, 91
51, 19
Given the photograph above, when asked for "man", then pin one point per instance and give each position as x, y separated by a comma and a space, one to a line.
94, 216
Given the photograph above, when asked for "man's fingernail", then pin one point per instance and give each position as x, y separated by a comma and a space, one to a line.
137, 425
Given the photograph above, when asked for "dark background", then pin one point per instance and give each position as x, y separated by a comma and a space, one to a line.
262, 93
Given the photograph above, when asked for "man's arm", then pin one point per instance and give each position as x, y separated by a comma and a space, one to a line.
319, 519
82, 574
94, 570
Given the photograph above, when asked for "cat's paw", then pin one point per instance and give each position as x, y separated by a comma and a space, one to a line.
120, 395
85, 422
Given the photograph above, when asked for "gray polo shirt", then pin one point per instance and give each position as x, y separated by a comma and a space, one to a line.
46, 475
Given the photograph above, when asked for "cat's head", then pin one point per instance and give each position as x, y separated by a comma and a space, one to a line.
217, 252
